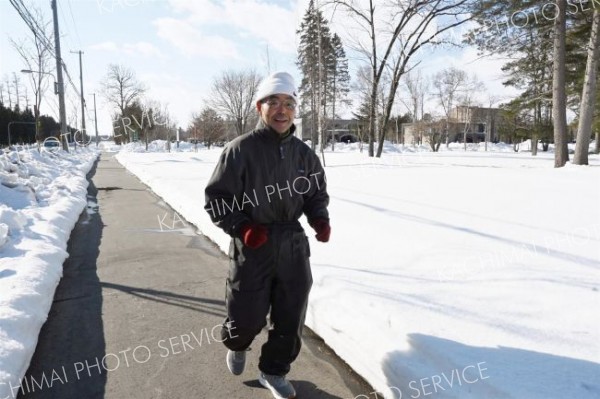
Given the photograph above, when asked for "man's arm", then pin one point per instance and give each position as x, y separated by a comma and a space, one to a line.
224, 192
317, 199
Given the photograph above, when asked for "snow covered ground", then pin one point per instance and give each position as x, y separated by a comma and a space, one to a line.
448, 275
41, 197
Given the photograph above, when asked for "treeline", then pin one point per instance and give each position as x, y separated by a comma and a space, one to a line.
22, 126
553, 52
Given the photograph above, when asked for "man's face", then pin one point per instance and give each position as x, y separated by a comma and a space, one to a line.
278, 112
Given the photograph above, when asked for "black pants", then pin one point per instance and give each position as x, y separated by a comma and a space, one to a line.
275, 276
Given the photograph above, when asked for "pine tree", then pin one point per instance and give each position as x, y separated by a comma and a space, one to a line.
324, 77
527, 33
339, 76
532, 73
309, 64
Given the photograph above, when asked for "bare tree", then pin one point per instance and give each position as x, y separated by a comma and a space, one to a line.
472, 86
447, 86
435, 132
154, 122
7, 82
400, 30
16, 83
362, 84
417, 87
559, 96
121, 88
588, 97
492, 99
26, 97
37, 56
208, 125
233, 95
164, 122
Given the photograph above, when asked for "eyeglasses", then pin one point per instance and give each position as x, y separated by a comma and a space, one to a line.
276, 103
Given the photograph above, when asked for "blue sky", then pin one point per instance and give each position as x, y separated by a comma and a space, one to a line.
178, 47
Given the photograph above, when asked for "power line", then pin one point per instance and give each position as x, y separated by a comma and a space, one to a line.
33, 25
65, 24
69, 76
66, 37
74, 25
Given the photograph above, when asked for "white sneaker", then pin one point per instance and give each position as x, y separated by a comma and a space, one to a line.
236, 361
279, 386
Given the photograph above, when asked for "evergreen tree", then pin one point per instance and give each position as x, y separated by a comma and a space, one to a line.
532, 73
526, 33
339, 75
325, 77
24, 132
310, 63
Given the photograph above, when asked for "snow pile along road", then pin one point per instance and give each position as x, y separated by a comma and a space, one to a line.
41, 197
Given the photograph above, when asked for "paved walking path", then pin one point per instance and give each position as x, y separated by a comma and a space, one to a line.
148, 300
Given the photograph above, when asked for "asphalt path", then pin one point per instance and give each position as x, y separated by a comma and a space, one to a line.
138, 310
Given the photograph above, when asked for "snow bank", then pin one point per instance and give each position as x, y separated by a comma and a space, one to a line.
41, 197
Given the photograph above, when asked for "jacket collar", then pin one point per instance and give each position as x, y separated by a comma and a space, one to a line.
273, 135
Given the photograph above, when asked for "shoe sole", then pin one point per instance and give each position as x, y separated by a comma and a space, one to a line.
265, 384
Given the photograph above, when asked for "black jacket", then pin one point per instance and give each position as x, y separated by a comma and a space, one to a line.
262, 178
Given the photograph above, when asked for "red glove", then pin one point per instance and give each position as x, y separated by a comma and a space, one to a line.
253, 235
322, 228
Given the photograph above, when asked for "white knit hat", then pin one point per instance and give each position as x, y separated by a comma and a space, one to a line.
277, 83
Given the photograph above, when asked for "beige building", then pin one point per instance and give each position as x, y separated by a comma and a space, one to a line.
478, 123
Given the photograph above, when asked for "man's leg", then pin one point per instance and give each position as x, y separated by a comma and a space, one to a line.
289, 299
248, 294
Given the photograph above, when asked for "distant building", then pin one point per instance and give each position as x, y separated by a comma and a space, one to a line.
340, 130
477, 122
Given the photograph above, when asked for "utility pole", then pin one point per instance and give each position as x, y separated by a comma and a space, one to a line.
59, 78
95, 120
83, 130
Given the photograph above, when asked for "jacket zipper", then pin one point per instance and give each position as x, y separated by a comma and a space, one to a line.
280, 207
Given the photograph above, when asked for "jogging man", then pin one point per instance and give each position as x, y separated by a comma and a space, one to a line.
263, 182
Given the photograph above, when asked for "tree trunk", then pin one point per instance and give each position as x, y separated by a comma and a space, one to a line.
374, 82
389, 103
372, 116
313, 108
333, 115
537, 123
559, 97
38, 134
239, 126
588, 96
320, 98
